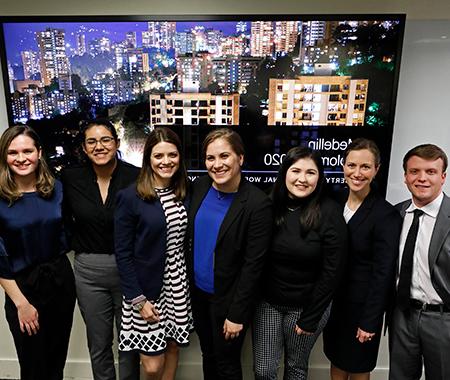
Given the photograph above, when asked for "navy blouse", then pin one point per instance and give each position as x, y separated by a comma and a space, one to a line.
31, 231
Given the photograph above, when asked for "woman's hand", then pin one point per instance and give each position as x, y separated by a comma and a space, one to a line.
231, 330
299, 331
364, 336
149, 312
28, 318
26, 313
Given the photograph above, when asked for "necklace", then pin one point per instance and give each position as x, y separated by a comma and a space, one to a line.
293, 208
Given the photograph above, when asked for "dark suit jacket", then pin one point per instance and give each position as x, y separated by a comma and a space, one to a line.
140, 243
439, 250
374, 232
242, 243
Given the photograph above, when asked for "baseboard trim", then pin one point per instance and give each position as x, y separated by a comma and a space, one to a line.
81, 370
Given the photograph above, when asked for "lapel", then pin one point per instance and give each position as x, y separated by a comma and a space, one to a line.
363, 211
440, 233
199, 190
402, 206
236, 208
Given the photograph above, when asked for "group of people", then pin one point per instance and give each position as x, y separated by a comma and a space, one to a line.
157, 257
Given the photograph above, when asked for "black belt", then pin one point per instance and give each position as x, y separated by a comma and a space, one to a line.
418, 305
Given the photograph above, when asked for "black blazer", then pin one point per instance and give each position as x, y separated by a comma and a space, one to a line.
374, 232
242, 243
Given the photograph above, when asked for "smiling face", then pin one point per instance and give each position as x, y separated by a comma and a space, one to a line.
164, 161
301, 178
223, 165
23, 157
100, 146
359, 170
424, 179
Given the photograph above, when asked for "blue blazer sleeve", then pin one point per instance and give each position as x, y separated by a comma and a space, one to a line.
125, 222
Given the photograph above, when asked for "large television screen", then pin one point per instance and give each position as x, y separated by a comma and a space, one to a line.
279, 80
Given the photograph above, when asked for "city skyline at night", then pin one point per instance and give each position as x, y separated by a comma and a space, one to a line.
238, 72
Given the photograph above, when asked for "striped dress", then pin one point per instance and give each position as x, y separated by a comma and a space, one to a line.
173, 303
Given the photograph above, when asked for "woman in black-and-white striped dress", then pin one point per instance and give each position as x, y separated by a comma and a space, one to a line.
150, 224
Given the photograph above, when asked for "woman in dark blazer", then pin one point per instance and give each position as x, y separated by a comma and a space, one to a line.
352, 335
229, 232
150, 225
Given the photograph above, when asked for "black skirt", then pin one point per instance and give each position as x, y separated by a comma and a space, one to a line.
341, 347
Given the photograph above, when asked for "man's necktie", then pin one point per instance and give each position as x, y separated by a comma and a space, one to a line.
404, 282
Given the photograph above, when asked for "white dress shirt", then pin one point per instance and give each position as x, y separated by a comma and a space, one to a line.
421, 287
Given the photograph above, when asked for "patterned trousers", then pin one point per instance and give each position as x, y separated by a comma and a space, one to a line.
273, 333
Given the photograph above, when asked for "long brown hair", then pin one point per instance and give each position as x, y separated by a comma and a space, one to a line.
45, 181
145, 184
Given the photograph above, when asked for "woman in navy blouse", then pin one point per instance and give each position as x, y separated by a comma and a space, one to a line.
34, 270
150, 224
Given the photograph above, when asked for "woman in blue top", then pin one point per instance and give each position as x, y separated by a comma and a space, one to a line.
34, 270
230, 223
150, 223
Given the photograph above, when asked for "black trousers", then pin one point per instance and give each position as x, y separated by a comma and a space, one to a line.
221, 358
50, 288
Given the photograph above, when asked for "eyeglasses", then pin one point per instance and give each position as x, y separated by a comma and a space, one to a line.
106, 141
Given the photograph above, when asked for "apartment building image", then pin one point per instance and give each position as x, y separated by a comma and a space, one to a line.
317, 100
200, 108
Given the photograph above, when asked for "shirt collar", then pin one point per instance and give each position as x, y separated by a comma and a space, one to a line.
431, 209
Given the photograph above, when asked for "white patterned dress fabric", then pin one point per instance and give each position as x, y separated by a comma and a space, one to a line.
173, 303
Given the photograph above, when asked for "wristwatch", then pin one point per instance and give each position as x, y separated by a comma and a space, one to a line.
140, 305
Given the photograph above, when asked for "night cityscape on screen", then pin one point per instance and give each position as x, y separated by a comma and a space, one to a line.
233, 73
308, 76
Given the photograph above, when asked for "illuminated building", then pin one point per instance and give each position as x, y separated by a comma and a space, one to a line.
233, 45
194, 109
194, 72
241, 27
53, 59
317, 100
160, 35
213, 39
81, 44
30, 63
313, 32
131, 40
233, 74
184, 43
285, 35
99, 45
261, 40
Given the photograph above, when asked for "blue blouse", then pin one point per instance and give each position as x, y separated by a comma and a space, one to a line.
208, 220
31, 231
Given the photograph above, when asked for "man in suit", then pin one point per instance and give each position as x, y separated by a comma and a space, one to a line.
420, 326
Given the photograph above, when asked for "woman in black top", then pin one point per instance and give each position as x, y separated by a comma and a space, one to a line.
302, 268
90, 193
352, 336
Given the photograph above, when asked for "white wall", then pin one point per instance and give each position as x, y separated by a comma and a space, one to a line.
423, 100
420, 117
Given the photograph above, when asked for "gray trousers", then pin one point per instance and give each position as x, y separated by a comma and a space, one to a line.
274, 332
419, 338
100, 300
